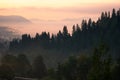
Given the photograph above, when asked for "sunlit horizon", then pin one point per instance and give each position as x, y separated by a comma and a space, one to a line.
52, 15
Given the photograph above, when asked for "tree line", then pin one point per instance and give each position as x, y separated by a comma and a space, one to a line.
86, 36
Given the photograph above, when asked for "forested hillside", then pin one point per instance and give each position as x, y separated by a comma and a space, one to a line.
83, 40
91, 52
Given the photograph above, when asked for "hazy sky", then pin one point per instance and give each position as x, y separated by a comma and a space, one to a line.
56, 9
51, 3
57, 12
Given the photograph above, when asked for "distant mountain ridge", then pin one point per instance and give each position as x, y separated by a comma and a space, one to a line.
13, 19
9, 26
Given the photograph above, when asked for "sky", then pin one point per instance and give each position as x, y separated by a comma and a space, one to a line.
57, 12
56, 9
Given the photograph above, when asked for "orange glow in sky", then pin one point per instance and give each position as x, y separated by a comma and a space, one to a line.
51, 3
57, 12
56, 9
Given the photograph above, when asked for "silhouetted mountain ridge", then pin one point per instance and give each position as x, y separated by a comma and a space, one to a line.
13, 19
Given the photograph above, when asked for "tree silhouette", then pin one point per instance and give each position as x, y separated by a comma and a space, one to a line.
39, 68
23, 65
100, 64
